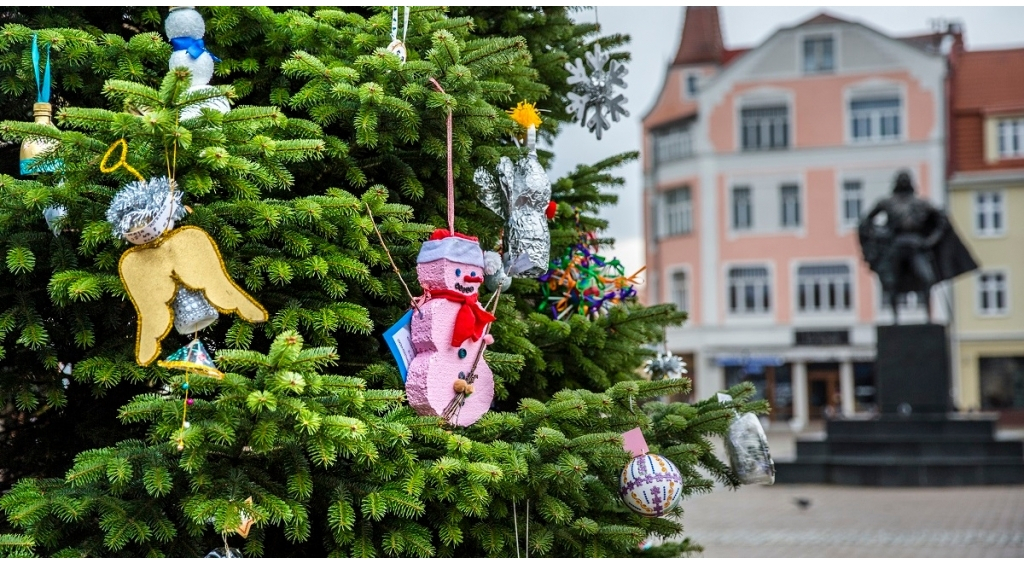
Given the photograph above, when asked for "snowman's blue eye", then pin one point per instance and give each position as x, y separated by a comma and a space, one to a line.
458, 272
473, 273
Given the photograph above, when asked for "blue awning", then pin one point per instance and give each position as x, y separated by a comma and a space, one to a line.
750, 364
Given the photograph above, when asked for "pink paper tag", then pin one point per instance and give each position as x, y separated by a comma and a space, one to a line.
633, 441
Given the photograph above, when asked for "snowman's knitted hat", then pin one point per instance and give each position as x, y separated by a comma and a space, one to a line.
454, 247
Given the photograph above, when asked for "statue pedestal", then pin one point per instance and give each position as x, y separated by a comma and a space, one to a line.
912, 367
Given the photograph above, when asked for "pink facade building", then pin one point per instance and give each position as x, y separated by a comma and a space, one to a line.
758, 164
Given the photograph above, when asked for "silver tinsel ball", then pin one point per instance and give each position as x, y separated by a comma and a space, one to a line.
184, 21
747, 447
596, 90
192, 312
666, 366
143, 210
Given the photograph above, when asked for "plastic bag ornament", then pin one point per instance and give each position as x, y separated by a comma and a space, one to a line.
185, 29
665, 366
53, 216
596, 91
224, 552
520, 193
747, 447
192, 313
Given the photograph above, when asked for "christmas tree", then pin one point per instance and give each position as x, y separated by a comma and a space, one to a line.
307, 444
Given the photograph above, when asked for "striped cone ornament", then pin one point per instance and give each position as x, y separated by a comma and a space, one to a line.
651, 485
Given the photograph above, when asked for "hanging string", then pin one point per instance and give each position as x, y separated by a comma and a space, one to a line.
451, 180
394, 24
42, 86
515, 526
412, 300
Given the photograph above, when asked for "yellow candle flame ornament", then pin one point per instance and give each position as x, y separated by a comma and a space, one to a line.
525, 114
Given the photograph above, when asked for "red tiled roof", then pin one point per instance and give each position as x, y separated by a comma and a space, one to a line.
702, 37
731, 54
989, 80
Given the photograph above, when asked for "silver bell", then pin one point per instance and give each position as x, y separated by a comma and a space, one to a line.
192, 312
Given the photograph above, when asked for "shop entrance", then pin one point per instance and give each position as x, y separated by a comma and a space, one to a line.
823, 396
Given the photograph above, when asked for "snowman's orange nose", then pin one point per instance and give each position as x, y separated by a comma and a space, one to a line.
468, 278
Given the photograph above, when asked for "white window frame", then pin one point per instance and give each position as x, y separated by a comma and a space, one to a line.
992, 287
676, 217
1010, 132
673, 143
761, 288
825, 281
988, 209
802, 46
785, 221
734, 215
679, 296
874, 118
845, 220
769, 127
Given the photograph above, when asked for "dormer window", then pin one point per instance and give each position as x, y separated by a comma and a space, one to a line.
818, 55
691, 85
1011, 138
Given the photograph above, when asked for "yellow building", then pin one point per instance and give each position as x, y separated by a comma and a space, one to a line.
986, 204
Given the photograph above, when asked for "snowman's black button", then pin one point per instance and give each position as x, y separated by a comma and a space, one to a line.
462, 353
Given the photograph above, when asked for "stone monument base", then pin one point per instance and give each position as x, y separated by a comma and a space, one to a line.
912, 369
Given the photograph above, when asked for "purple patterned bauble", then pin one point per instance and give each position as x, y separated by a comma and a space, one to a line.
651, 485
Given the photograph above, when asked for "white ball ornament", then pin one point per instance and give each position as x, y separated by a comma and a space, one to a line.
398, 48
202, 68
651, 485
184, 21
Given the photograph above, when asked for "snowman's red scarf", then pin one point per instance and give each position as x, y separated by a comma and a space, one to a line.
471, 319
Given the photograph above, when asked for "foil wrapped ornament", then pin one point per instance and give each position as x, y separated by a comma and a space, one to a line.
651, 485
747, 448
519, 193
143, 210
665, 366
192, 312
595, 91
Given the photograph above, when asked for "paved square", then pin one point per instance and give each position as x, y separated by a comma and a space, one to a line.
840, 521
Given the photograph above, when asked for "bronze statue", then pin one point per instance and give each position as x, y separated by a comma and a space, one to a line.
915, 248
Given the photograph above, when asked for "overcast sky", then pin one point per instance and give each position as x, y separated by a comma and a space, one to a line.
655, 37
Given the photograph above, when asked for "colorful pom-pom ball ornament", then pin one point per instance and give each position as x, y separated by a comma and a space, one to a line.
651, 485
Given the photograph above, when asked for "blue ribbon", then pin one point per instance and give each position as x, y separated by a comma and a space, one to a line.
195, 47
42, 87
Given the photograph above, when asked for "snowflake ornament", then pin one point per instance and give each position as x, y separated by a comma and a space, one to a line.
596, 91
666, 366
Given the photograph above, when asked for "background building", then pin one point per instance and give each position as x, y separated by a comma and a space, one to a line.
986, 199
758, 165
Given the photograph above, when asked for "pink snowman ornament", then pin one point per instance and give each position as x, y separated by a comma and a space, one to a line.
448, 377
